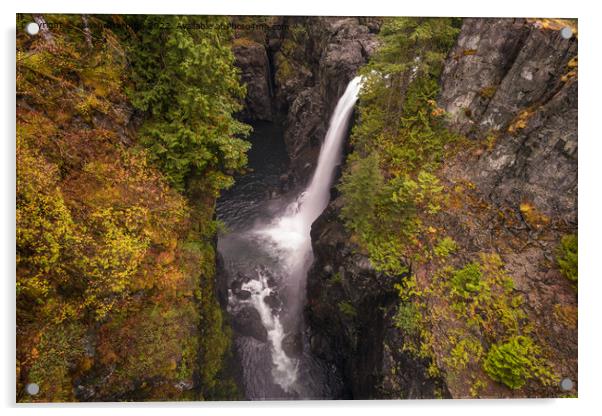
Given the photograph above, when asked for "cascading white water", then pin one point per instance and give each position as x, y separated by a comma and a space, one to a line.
273, 260
292, 231
289, 235
317, 195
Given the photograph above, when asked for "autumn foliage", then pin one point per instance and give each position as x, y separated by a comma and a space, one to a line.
115, 266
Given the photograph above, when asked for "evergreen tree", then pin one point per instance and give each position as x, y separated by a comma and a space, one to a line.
184, 79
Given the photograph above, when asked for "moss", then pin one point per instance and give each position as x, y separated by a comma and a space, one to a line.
520, 121
488, 92
533, 217
285, 69
467, 281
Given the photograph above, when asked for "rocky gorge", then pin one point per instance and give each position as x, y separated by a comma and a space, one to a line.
509, 88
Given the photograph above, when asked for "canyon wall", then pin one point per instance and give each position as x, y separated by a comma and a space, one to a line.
509, 87
295, 69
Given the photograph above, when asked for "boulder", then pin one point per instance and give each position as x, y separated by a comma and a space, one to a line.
247, 322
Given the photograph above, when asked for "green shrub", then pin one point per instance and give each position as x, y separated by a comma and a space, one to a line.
567, 257
399, 141
190, 96
361, 186
467, 281
445, 247
407, 318
59, 349
517, 361
336, 278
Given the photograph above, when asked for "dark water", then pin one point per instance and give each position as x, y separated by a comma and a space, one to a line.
265, 300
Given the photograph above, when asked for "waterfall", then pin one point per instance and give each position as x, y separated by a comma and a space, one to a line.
317, 195
267, 258
289, 235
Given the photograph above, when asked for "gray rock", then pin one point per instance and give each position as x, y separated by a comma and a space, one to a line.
273, 301
499, 69
292, 344
252, 59
247, 322
324, 60
243, 294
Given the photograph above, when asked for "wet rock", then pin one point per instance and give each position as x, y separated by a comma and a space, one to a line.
292, 344
311, 74
285, 182
273, 301
221, 279
235, 286
252, 59
247, 322
354, 346
243, 294
296, 77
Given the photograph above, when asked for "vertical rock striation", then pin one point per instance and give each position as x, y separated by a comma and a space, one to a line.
510, 79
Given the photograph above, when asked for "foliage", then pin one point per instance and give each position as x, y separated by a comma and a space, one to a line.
347, 309
467, 350
407, 318
517, 361
115, 267
390, 179
362, 185
477, 306
567, 257
532, 216
59, 350
190, 95
397, 210
466, 281
445, 247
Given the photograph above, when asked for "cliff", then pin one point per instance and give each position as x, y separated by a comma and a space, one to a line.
508, 180
295, 69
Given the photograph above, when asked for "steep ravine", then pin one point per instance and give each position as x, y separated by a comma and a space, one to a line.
294, 78
508, 81
510, 87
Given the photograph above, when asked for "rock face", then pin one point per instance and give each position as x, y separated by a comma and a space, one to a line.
310, 61
510, 83
510, 79
247, 322
252, 59
350, 312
